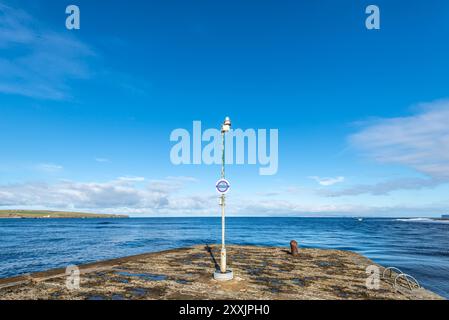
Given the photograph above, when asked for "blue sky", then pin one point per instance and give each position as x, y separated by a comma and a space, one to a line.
86, 114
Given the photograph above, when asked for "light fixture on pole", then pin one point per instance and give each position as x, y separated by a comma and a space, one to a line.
223, 187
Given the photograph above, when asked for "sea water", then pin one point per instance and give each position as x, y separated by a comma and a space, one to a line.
419, 247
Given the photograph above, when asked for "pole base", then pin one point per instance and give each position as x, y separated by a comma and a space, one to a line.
228, 275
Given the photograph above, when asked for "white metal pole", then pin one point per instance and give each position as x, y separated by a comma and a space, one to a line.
223, 248
223, 274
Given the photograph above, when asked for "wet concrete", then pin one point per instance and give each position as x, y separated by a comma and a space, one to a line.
260, 273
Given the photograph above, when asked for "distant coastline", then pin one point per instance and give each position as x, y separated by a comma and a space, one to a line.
45, 214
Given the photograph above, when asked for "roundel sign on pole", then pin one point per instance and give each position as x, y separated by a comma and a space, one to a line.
222, 186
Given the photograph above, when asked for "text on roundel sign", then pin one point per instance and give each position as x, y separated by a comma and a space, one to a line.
222, 186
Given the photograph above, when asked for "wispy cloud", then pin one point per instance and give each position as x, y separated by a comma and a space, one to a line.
49, 167
384, 188
36, 61
270, 207
102, 160
269, 194
169, 184
328, 181
420, 142
132, 179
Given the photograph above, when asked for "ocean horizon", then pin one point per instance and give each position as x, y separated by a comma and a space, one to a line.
418, 246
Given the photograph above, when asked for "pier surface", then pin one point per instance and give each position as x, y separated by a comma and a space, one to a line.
260, 273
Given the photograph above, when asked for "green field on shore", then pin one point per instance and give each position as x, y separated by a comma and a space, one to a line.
42, 214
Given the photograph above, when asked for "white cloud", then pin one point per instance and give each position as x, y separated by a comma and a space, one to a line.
249, 207
37, 62
328, 181
119, 193
384, 188
420, 142
132, 179
164, 199
169, 184
101, 160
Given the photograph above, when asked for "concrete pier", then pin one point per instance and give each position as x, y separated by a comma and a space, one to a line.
259, 273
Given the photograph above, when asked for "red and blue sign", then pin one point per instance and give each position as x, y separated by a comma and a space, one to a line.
222, 186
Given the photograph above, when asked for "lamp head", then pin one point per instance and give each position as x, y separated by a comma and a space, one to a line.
226, 125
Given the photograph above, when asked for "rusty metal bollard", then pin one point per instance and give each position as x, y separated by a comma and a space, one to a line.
294, 248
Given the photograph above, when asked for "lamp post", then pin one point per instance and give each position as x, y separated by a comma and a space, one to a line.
222, 187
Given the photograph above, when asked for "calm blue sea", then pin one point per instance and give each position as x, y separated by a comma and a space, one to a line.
417, 246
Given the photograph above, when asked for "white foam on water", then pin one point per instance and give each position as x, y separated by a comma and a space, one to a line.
428, 220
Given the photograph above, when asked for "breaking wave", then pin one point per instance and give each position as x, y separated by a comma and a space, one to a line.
429, 220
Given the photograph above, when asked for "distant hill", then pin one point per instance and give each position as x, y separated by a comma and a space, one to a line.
42, 214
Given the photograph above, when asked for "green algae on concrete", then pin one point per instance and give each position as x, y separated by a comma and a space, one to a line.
260, 273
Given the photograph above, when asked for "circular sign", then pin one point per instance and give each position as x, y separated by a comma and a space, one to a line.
222, 186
